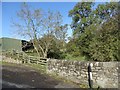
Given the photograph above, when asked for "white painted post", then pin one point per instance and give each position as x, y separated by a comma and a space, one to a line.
90, 78
91, 65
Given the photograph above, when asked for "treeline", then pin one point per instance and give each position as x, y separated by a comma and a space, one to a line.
95, 32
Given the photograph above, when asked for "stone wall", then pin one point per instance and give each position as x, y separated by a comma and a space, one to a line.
105, 74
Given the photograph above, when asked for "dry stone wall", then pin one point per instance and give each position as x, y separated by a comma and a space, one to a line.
105, 74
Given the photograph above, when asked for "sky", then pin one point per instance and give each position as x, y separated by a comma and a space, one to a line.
9, 10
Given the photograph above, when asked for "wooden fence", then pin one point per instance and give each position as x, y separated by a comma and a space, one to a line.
24, 58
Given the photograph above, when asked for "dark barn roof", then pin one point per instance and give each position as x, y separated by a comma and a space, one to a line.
26, 45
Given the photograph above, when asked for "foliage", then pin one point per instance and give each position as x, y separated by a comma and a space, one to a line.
101, 44
36, 24
54, 50
99, 39
95, 32
83, 15
80, 16
73, 48
72, 57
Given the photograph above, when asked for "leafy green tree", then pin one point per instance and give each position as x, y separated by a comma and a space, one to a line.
80, 16
83, 15
72, 48
101, 44
54, 50
99, 41
107, 10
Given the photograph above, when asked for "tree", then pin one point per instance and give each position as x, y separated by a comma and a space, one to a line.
54, 49
72, 48
107, 10
83, 15
99, 41
80, 15
102, 44
34, 24
61, 35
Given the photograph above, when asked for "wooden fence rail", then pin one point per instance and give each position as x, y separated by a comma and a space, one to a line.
25, 58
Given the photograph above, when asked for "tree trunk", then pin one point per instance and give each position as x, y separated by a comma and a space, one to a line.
45, 53
36, 48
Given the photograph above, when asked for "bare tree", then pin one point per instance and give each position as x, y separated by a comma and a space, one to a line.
34, 23
61, 34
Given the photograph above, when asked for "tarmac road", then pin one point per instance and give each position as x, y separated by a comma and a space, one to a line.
24, 77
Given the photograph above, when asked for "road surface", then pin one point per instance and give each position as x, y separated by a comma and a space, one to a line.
25, 77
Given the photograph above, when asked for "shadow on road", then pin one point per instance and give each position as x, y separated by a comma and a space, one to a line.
25, 77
